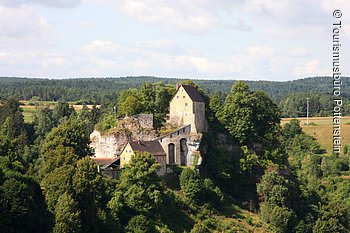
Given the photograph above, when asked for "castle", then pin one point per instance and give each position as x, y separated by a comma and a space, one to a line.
187, 107
179, 147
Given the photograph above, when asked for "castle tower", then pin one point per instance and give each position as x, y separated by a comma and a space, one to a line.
187, 107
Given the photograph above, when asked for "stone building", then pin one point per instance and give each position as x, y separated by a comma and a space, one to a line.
136, 133
152, 147
187, 107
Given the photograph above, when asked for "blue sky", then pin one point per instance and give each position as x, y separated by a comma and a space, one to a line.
222, 39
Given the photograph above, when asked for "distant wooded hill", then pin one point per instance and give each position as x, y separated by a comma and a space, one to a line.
99, 90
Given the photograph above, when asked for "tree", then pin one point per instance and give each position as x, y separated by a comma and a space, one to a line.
281, 219
277, 193
10, 108
191, 184
334, 217
13, 136
155, 98
22, 206
67, 218
248, 160
249, 115
43, 122
139, 224
87, 118
106, 122
69, 133
62, 110
139, 189
130, 106
291, 129
85, 183
56, 184
11, 144
129, 102
56, 158
273, 189
189, 82
298, 144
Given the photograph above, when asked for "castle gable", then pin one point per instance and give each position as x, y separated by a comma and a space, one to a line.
193, 93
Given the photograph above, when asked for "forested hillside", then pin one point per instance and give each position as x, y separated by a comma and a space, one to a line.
95, 89
290, 96
255, 176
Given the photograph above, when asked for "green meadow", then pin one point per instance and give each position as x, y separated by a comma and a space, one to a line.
322, 129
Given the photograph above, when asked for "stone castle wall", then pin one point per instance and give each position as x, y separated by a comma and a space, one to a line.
110, 144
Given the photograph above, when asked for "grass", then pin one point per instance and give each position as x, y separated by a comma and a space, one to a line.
322, 129
29, 109
28, 114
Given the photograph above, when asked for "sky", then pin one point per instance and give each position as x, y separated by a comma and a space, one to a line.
200, 39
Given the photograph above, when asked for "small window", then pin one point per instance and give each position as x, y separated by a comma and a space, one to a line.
186, 104
183, 96
177, 96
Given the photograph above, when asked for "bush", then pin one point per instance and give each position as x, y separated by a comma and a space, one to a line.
346, 149
107, 122
281, 219
139, 224
191, 184
212, 192
200, 228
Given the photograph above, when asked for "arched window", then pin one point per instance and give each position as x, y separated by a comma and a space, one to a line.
183, 151
171, 153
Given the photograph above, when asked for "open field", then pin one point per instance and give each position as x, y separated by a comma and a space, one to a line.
322, 129
28, 110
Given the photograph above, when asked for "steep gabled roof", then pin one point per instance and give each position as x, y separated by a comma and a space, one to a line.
152, 147
105, 161
115, 161
193, 93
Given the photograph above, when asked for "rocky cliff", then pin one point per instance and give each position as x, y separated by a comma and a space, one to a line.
109, 144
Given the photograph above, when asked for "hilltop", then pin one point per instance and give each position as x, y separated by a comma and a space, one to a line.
97, 89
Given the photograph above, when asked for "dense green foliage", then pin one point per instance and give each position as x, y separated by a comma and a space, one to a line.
290, 95
48, 182
67, 215
191, 184
249, 115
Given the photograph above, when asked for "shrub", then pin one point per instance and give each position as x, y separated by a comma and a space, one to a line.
191, 184
139, 224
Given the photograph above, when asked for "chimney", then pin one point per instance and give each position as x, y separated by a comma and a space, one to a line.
178, 86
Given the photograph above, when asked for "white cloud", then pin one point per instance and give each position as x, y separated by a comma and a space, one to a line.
99, 46
301, 51
283, 42
191, 17
22, 22
310, 68
155, 44
50, 3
